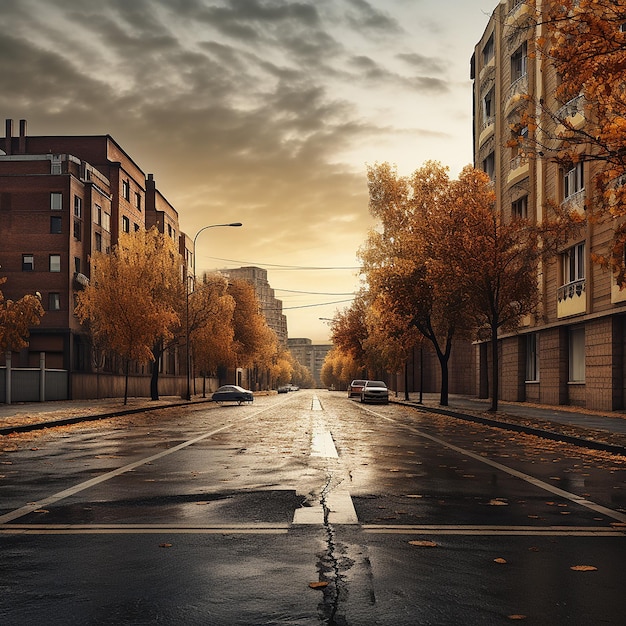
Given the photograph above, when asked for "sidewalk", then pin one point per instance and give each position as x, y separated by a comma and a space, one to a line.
595, 429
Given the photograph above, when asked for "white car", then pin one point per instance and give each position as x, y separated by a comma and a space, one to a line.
375, 391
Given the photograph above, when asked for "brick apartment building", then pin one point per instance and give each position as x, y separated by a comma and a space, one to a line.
573, 351
61, 199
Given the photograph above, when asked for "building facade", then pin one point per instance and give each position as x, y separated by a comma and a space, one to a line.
310, 355
61, 199
271, 307
573, 350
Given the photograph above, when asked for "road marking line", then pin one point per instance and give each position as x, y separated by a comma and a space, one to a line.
309, 515
66, 493
316, 405
147, 529
340, 508
572, 497
322, 444
547, 531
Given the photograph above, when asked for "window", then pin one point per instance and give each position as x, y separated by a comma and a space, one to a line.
106, 221
28, 263
125, 224
78, 206
78, 229
54, 302
77, 264
138, 200
56, 201
97, 214
489, 165
56, 225
574, 264
98, 242
488, 50
489, 110
573, 181
55, 262
518, 63
577, 354
532, 358
519, 208
136, 226
126, 189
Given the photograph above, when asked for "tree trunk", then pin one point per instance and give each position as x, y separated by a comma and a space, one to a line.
157, 350
126, 381
495, 391
406, 379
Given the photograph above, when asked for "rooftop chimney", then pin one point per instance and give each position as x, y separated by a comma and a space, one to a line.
22, 144
8, 137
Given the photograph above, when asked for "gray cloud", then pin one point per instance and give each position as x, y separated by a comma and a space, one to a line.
241, 108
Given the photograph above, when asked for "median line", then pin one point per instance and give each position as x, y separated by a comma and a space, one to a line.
143, 529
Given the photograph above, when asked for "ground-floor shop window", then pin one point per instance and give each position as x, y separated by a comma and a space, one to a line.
532, 358
577, 354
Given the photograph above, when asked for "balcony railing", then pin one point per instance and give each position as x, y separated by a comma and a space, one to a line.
572, 108
519, 86
574, 289
575, 202
487, 122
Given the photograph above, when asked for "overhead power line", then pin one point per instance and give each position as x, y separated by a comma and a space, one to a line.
282, 267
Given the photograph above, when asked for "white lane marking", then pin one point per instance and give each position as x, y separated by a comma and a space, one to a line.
66, 493
340, 508
139, 529
492, 531
309, 515
572, 497
322, 444
316, 405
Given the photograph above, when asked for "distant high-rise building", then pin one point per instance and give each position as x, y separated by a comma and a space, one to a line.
271, 307
310, 355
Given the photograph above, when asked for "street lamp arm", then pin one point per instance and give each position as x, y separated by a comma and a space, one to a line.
233, 224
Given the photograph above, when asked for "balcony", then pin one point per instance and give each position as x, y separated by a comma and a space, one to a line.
571, 299
518, 10
517, 92
487, 129
575, 202
518, 169
572, 114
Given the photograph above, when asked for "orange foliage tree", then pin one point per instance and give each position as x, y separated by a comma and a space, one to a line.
349, 332
211, 325
131, 300
17, 317
405, 262
585, 42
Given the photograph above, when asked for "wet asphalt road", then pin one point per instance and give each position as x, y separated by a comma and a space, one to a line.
227, 515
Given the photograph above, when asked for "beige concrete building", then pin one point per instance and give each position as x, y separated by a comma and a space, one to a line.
271, 307
573, 351
310, 355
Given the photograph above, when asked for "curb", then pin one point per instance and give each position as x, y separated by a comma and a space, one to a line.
24, 428
520, 428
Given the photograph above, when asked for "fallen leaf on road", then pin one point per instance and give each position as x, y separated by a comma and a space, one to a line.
583, 568
318, 585
423, 544
165, 545
517, 617
499, 560
42, 511
498, 502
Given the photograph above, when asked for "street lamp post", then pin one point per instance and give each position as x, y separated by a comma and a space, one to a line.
188, 293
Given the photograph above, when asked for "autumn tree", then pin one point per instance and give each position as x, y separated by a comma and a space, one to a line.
17, 317
255, 344
405, 260
349, 332
211, 330
130, 302
338, 369
585, 42
301, 375
499, 260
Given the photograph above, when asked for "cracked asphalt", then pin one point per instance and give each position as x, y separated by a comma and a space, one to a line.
307, 508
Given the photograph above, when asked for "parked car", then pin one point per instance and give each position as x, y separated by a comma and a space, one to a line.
354, 388
284, 389
232, 393
375, 391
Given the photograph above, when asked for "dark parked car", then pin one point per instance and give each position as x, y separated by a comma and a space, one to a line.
375, 391
354, 388
284, 389
232, 393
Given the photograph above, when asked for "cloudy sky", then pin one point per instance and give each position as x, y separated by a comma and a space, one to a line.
265, 112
